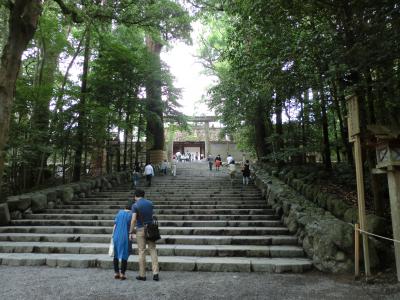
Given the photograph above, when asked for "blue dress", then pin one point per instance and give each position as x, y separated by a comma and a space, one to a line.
121, 234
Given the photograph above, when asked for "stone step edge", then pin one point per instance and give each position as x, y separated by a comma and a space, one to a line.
166, 236
161, 227
161, 246
160, 221
167, 263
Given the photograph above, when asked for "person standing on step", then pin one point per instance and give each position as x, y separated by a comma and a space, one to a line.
143, 211
149, 173
122, 223
229, 158
246, 172
173, 166
164, 167
210, 161
218, 162
232, 170
136, 175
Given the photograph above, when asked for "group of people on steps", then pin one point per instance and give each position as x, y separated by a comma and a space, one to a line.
129, 222
245, 168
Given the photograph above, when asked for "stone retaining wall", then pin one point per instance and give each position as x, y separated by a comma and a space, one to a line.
326, 239
38, 201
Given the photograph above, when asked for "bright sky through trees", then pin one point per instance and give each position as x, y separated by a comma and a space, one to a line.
187, 71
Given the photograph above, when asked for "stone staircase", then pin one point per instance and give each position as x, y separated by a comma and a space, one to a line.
206, 225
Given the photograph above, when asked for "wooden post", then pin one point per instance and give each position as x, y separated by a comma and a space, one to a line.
354, 136
356, 250
393, 176
361, 201
207, 139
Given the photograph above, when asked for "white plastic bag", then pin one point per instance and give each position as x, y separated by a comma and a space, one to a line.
111, 248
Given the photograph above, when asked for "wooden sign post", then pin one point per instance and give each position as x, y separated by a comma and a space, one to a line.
388, 159
354, 137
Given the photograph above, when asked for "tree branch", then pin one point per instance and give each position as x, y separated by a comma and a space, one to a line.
69, 11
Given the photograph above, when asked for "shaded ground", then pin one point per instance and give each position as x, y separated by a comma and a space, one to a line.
56, 283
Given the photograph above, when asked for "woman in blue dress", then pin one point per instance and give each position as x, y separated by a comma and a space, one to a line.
121, 241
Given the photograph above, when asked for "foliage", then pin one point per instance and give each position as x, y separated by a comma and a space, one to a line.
48, 112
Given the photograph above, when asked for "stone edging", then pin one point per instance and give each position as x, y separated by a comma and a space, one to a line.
327, 240
16, 206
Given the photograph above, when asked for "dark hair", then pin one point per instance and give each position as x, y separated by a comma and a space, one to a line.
139, 193
128, 204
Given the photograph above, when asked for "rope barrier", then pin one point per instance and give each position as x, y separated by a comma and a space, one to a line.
372, 234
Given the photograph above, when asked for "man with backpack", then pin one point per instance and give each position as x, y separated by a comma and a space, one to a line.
142, 214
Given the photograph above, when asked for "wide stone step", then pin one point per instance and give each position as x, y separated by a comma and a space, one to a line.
169, 202
170, 211
162, 223
166, 239
164, 197
197, 192
163, 207
162, 250
173, 189
163, 230
160, 217
167, 263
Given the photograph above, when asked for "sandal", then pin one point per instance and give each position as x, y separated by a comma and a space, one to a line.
122, 277
117, 276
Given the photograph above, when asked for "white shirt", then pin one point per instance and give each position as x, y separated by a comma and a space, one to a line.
229, 159
148, 170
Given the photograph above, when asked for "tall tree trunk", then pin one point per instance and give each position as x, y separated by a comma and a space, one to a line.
138, 146
126, 134
337, 148
260, 131
81, 128
325, 131
305, 121
41, 110
118, 150
337, 99
155, 108
367, 109
279, 125
23, 19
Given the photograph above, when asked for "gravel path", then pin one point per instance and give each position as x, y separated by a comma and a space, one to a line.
56, 283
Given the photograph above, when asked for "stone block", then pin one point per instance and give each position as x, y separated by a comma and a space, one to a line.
19, 203
67, 194
39, 202
351, 215
16, 215
376, 225
340, 256
84, 187
322, 200
4, 214
51, 194
339, 208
